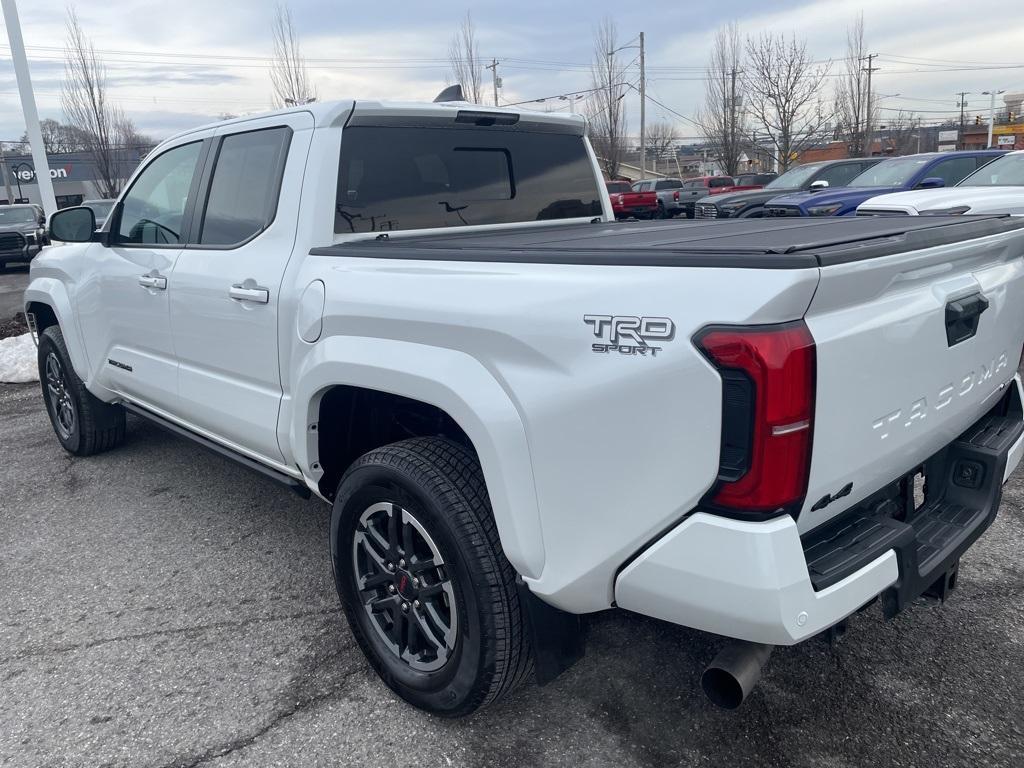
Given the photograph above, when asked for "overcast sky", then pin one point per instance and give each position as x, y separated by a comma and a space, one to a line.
173, 65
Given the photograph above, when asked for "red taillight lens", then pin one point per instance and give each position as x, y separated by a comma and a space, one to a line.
621, 199
675, 195
769, 375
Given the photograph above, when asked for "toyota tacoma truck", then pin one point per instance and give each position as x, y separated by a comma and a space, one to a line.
523, 411
994, 188
928, 170
629, 202
808, 177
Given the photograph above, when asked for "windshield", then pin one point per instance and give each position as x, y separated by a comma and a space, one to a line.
794, 178
17, 216
895, 172
1007, 171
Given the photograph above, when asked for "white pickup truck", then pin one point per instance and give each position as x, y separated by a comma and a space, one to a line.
524, 412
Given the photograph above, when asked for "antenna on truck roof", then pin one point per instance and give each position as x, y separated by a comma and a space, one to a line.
451, 93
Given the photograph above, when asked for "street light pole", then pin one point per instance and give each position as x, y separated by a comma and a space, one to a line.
643, 111
991, 113
28, 106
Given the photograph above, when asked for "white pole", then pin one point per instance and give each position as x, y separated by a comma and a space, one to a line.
643, 110
991, 116
28, 106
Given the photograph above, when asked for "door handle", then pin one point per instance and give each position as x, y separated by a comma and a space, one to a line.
253, 293
156, 282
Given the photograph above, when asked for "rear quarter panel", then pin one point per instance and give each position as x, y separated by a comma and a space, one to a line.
620, 445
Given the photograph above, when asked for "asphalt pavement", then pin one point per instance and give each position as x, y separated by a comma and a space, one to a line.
161, 606
13, 281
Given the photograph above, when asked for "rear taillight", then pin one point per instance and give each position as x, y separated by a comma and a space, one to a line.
675, 195
622, 199
768, 378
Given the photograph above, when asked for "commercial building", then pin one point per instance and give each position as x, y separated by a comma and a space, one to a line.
75, 176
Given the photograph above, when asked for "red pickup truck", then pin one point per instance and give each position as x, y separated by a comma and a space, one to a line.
626, 202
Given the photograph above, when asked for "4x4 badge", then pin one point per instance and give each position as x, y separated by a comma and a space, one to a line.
629, 335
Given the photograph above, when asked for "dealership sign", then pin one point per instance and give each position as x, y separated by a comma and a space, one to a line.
24, 173
947, 136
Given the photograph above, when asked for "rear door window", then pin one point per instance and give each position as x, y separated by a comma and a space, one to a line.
952, 170
399, 178
242, 200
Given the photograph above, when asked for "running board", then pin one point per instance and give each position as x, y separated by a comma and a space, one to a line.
297, 486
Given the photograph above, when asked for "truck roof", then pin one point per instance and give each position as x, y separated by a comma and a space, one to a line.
749, 243
336, 112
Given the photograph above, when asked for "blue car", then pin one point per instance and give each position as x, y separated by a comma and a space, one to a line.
923, 171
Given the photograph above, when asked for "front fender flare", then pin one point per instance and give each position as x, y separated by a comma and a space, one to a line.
54, 294
457, 384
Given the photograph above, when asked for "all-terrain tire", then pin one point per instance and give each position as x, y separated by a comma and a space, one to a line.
89, 425
437, 484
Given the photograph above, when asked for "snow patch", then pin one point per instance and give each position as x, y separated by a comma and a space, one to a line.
18, 360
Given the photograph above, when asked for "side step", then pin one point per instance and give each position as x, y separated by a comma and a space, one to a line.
963, 488
297, 486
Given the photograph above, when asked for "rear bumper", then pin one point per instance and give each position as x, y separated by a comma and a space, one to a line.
764, 583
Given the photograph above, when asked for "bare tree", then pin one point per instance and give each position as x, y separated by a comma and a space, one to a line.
606, 116
902, 133
783, 88
722, 119
464, 59
854, 115
102, 126
288, 71
661, 140
57, 137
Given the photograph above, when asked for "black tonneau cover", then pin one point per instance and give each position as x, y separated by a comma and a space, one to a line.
751, 243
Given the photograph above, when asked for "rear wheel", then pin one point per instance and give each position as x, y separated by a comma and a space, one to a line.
83, 423
429, 595
661, 210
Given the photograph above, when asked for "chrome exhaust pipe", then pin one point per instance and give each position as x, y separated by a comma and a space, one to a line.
734, 672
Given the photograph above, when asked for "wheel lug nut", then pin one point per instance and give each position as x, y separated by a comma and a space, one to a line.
415, 603
391, 566
405, 606
391, 588
401, 563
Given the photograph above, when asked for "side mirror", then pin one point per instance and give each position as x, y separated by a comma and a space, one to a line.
819, 184
73, 225
932, 182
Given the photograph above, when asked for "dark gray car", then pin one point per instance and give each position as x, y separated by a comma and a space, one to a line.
811, 176
22, 232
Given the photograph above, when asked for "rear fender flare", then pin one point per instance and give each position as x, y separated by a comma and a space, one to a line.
457, 384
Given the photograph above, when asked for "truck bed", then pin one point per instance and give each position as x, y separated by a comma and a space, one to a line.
749, 243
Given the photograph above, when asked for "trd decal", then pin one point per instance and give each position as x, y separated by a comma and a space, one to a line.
119, 364
629, 335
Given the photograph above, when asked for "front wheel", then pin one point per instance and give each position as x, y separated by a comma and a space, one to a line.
429, 595
83, 423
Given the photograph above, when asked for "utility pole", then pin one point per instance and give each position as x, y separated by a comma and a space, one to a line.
643, 110
493, 66
28, 106
868, 127
991, 113
960, 133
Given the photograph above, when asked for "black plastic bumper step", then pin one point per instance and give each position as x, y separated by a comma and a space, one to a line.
962, 493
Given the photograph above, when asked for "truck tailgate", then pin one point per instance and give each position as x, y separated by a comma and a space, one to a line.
912, 348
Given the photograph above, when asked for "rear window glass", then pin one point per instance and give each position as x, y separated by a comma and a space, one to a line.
670, 184
394, 178
725, 181
618, 186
